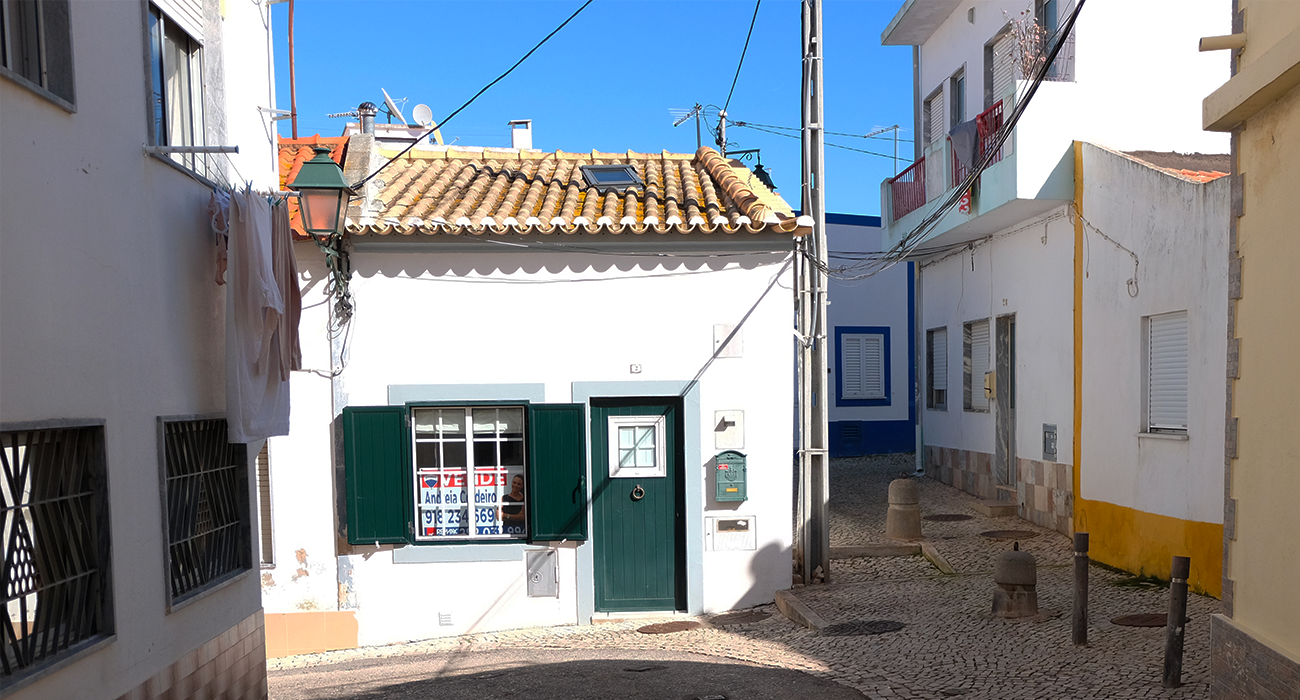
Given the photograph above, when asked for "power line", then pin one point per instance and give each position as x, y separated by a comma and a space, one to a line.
833, 145
831, 133
752, 20
499, 78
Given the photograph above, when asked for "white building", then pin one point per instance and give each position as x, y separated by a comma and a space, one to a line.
113, 346
873, 365
1082, 425
501, 289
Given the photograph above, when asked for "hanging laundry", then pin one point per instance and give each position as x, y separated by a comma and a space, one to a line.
218, 219
257, 386
284, 339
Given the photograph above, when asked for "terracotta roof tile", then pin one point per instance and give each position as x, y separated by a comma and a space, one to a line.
295, 152
449, 190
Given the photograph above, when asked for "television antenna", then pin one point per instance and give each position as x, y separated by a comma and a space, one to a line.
392, 109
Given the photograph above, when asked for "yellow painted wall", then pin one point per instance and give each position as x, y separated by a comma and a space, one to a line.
1264, 558
1146, 543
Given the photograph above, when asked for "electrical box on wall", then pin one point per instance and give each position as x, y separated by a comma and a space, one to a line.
543, 573
1049, 442
730, 471
732, 534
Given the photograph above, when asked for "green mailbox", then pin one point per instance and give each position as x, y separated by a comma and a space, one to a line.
731, 481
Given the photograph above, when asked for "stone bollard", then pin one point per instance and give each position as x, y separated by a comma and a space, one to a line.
1016, 576
903, 521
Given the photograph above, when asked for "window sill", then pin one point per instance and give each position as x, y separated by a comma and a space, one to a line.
212, 587
1180, 437
37, 90
440, 553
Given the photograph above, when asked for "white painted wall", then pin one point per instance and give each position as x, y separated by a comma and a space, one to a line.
110, 311
1178, 229
880, 300
1025, 270
446, 317
1139, 77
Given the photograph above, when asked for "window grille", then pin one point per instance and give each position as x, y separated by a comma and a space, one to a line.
208, 537
56, 575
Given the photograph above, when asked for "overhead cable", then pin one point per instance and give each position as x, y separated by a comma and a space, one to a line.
752, 20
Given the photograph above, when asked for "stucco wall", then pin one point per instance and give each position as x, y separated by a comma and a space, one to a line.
1138, 82
1266, 396
1026, 271
110, 311
434, 316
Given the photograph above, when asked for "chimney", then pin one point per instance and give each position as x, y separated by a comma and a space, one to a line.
521, 133
367, 110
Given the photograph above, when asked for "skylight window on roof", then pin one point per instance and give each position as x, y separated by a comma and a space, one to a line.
610, 176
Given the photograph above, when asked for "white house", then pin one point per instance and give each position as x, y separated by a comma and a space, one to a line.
1070, 303
873, 365
127, 563
534, 415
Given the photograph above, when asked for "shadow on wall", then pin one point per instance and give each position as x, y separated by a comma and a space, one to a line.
436, 263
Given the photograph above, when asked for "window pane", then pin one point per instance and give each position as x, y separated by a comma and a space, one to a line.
58, 48
426, 455
156, 79
24, 41
512, 452
485, 453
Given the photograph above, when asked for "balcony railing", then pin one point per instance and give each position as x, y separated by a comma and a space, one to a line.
987, 126
908, 188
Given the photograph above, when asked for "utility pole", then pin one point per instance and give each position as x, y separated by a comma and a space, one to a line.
813, 538
698, 112
722, 132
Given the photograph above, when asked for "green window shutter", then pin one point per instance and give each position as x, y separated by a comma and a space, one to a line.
557, 472
378, 472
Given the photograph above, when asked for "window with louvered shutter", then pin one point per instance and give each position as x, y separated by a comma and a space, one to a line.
976, 356
936, 368
1167, 372
264, 505
1004, 69
862, 366
934, 122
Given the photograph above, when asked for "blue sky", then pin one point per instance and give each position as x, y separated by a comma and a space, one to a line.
609, 79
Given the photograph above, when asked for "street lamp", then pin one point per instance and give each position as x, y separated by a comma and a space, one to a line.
322, 194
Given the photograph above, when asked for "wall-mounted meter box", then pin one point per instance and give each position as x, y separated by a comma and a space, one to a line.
730, 472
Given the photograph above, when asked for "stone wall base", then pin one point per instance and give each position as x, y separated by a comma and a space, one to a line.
1243, 667
1044, 491
231, 666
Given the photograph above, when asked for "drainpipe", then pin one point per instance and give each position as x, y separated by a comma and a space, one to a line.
917, 325
293, 90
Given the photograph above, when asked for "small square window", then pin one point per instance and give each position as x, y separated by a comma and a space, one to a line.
605, 177
636, 447
36, 48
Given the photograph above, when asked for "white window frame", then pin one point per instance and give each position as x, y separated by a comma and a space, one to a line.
976, 362
467, 505
863, 390
936, 371
1165, 372
659, 425
170, 109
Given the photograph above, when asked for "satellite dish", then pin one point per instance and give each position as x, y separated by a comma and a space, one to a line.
422, 115
392, 108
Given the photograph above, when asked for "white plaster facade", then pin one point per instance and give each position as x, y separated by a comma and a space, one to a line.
111, 312
882, 301
446, 321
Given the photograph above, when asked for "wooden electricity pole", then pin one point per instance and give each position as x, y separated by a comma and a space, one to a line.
813, 538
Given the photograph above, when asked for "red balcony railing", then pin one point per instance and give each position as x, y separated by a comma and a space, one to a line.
908, 188
987, 126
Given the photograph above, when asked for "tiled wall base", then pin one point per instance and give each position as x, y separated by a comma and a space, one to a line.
290, 634
1243, 667
232, 667
1044, 490
1046, 494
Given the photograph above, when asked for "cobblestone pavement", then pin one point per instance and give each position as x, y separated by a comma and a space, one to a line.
949, 646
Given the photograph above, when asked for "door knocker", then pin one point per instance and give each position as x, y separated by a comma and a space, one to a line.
638, 493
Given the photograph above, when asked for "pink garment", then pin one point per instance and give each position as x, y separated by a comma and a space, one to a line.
257, 386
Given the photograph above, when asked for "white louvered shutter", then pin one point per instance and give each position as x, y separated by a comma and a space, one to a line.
1167, 372
188, 14
938, 365
1004, 68
934, 118
979, 364
862, 369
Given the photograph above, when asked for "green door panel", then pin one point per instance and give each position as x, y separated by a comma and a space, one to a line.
557, 472
377, 471
639, 535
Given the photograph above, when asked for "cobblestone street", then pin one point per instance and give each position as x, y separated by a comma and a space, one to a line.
949, 644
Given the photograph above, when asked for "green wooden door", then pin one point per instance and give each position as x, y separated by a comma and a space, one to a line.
637, 505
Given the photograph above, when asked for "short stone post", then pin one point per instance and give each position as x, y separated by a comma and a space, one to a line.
1016, 576
1080, 618
903, 520
1176, 624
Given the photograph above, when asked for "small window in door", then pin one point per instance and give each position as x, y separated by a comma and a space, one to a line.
636, 447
